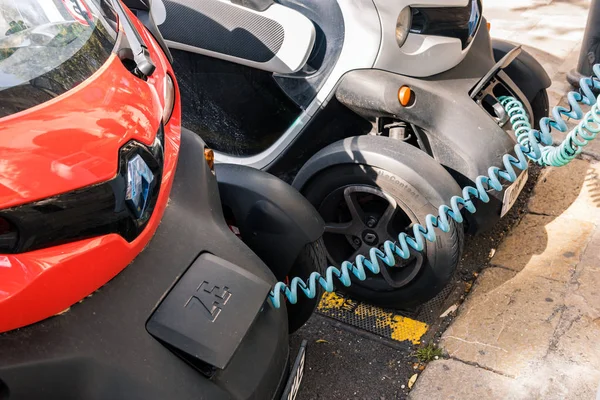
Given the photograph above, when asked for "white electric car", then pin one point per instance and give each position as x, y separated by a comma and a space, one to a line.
377, 110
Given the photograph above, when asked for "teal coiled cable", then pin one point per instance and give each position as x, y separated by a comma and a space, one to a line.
535, 145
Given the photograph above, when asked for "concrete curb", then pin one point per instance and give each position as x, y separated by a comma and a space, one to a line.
531, 325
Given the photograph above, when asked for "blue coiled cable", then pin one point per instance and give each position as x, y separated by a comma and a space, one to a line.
532, 145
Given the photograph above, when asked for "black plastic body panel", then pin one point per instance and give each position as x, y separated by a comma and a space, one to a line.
275, 221
142, 12
100, 348
142, 5
208, 311
460, 134
525, 71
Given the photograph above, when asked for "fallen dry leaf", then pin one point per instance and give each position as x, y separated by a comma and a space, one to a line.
412, 380
449, 311
468, 287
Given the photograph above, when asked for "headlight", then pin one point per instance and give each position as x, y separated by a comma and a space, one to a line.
403, 25
169, 98
456, 22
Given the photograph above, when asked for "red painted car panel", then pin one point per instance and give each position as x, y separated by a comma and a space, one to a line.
73, 140
68, 143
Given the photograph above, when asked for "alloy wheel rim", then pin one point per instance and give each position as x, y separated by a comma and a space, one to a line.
359, 217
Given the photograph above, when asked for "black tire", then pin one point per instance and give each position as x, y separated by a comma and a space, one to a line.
311, 258
540, 106
441, 258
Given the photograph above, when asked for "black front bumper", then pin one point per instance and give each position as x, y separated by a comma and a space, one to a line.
456, 130
101, 348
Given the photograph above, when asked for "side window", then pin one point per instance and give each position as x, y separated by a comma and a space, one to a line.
328, 20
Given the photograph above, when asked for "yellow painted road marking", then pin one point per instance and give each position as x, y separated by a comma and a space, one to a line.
401, 328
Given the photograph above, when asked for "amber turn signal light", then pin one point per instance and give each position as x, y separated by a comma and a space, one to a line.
405, 96
209, 155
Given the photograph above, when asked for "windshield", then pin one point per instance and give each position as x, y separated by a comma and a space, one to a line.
48, 47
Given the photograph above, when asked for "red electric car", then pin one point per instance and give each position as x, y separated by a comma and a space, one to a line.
119, 277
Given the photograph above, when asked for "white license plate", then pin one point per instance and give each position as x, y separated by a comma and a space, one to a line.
512, 193
293, 385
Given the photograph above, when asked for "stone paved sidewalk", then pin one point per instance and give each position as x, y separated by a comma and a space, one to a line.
531, 326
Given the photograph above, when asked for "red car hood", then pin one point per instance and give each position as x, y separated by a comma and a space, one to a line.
73, 140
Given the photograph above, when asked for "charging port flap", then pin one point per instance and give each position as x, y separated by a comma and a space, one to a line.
206, 315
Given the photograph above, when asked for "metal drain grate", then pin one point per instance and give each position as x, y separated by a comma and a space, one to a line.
431, 310
392, 324
382, 322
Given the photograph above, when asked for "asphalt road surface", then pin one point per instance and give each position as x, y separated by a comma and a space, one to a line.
345, 365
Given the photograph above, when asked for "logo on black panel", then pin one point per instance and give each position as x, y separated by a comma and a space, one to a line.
139, 178
209, 299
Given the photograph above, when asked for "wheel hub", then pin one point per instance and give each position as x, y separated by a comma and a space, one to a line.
370, 238
370, 217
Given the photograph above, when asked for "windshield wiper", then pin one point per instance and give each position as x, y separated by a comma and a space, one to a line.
141, 55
